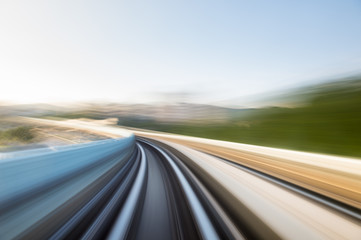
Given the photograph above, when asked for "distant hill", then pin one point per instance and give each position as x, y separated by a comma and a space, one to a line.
165, 113
326, 119
294, 96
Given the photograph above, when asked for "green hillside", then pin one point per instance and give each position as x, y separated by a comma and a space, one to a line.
17, 134
328, 121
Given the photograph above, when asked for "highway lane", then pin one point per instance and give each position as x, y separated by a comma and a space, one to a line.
155, 218
164, 214
209, 218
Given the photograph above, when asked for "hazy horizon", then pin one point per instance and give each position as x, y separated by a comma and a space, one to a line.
258, 100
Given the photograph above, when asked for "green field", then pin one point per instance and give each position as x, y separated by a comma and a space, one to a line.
329, 121
18, 134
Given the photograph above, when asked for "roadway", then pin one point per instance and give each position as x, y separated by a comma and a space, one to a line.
162, 187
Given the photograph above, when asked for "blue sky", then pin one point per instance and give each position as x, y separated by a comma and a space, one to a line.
137, 50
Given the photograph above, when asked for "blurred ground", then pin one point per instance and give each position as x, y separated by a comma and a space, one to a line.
43, 135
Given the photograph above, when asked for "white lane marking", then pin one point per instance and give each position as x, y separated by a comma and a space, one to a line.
206, 227
124, 220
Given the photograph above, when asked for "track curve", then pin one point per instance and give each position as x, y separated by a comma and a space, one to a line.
141, 188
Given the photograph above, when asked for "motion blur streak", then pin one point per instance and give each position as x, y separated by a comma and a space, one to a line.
153, 186
336, 177
34, 188
297, 217
122, 225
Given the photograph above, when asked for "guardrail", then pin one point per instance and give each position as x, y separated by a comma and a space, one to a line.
34, 185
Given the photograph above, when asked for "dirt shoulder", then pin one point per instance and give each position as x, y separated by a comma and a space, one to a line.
20, 134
